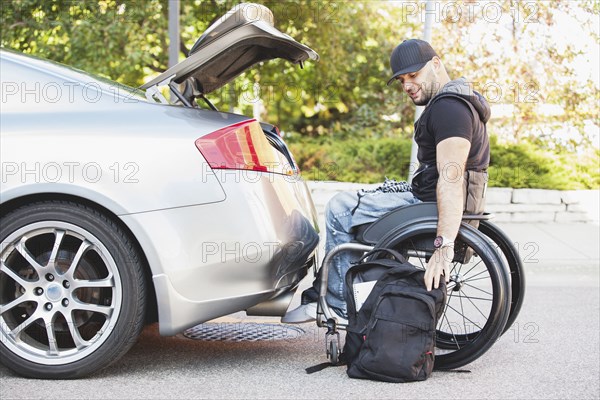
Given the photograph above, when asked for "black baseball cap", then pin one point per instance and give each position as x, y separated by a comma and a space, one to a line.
410, 56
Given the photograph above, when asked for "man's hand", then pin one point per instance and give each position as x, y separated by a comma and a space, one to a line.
438, 265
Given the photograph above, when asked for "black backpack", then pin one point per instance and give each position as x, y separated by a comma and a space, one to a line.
392, 337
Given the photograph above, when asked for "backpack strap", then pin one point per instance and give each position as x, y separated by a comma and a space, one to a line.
320, 367
394, 253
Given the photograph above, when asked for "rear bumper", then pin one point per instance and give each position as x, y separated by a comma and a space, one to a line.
214, 259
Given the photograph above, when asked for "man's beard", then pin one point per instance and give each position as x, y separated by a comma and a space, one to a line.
428, 89
422, 101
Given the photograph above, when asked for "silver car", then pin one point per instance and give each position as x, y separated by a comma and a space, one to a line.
119, 209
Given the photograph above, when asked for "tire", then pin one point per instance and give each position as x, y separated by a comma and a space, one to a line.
478, 302
515, 265
334, 352
72, 291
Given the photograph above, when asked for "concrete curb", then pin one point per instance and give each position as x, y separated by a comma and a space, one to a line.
509, 205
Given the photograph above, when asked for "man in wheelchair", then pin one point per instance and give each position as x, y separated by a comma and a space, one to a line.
453, 155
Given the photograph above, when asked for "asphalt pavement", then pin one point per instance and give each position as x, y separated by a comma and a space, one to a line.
551, 352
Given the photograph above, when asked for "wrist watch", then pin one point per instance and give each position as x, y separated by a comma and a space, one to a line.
442, 241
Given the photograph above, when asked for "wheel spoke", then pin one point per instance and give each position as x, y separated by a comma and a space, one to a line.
475, 298
478, 279
481, 290
15, 302
16, 333
474, 305
20, 247
447, 320
16, 277
93, 283
95, 308
80, 343
478, 262
462, 311
57, 241
415, 249
52, 345
85, 245
447, 302
459, 268
455, 310
452, 332
477, 274
454, 267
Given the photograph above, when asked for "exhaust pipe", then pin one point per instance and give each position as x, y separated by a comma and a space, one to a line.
276, 307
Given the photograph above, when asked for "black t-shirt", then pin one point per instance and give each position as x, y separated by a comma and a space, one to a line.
447, 117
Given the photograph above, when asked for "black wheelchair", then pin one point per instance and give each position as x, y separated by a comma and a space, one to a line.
486, 288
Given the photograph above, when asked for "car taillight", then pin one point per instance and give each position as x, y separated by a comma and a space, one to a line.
242, 146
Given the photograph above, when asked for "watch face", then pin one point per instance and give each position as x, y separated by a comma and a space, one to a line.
437, 243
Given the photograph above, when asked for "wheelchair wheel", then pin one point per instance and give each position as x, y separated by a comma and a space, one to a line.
515, 265
479, 291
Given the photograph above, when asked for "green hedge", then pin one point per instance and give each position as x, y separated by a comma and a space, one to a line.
365, 160
521, 165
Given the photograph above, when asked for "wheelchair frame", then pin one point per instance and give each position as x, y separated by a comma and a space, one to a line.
383, 230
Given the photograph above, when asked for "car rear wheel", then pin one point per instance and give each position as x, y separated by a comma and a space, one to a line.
72, 292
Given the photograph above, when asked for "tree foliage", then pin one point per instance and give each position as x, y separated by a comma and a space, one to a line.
538, 60
535, 60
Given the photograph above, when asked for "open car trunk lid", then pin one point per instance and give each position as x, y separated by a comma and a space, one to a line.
241, 38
